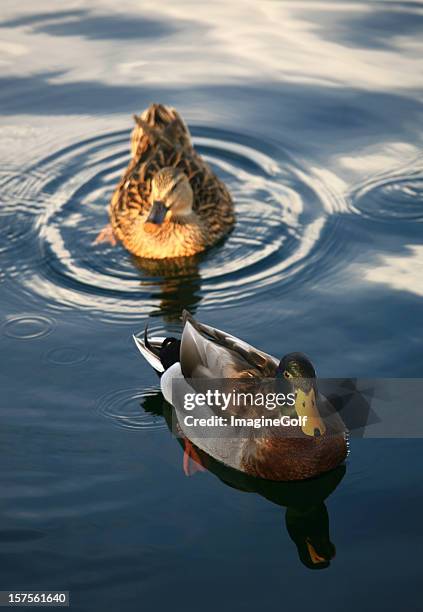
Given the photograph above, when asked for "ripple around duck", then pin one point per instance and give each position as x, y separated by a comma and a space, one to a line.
390, 198
133, 408
281, 207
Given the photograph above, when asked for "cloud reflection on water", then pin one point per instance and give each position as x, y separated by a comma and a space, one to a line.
281, 41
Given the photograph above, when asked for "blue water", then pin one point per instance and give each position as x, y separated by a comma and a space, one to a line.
311, 114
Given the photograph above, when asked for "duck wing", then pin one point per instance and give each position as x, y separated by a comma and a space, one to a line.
158, 127
212, 201
207, 352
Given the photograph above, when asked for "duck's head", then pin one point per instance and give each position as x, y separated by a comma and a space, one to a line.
171, 197
297, 366
299, 371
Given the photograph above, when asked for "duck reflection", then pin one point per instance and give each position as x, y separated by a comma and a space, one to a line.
175, 284
306, 516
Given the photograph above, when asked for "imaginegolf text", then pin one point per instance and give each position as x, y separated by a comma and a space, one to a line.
257, 423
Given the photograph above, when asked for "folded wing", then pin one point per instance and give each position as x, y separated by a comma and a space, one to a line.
207, 352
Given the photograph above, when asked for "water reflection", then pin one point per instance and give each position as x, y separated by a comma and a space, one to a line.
175, 284
83, 23
306, 515
374, 28
402, 272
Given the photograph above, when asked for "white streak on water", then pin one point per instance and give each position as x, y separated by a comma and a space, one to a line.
400, 272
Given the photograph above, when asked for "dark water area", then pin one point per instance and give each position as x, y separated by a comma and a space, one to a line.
311, 113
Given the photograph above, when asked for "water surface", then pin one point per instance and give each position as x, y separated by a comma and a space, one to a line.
310, 112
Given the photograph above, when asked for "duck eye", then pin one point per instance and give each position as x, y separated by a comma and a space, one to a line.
287, 374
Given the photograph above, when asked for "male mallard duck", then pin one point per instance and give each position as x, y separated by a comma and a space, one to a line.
207, 353
168, 202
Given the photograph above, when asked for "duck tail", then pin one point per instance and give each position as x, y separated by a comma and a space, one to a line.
163, 124
159, 352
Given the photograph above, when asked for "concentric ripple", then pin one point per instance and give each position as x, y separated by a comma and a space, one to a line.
391, 198
133, 408
66, 356
281, 206
28, 327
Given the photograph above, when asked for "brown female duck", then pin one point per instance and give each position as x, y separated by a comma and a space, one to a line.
314, 445
168, 202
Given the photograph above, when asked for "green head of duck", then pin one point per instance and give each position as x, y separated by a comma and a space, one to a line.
299, 371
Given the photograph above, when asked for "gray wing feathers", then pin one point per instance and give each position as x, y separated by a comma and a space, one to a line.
207, 352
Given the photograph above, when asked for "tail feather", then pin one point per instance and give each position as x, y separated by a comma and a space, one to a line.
150, 351
159, 352
160, 124
148, 346
170, 352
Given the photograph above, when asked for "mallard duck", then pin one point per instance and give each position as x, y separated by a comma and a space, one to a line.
168, 203
319, 442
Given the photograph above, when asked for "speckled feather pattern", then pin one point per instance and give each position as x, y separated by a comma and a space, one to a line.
161, 139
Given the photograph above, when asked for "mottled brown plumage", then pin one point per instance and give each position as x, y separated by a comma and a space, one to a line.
161, 140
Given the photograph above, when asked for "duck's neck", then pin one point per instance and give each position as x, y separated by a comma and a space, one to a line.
181, 236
